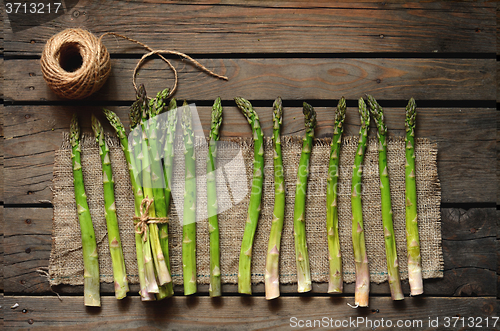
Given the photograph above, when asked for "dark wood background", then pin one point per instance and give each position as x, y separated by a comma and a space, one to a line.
444, 54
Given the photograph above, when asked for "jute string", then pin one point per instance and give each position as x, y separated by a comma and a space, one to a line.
141, 222
95, 68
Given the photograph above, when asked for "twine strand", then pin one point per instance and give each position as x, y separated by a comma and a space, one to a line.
95, 67
142, 221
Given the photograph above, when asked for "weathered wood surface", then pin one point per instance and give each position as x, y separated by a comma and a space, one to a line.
1, 197
1, 249
2, 30
466, 141
292, 79
274, 27
335, 49
469, 249
1, 76
232, 313
1, 144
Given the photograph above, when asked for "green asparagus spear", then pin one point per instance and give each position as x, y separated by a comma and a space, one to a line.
115, 244
168, 138
358, 235
189, 214
89, 246
299, 218
213, 224
244, 270
272, 278
412, 238
149, 165
156, 107
114, 120
135, 119
168, 159
335, 282
386, 205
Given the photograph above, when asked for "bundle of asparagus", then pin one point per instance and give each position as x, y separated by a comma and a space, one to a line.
143, 153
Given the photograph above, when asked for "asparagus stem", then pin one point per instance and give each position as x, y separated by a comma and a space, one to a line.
335, 281
115, 244
412, 237
89, 245
114, 120
213, 224
272, 281
254, 207
189, 214
157, 181
299, 212
358, 235
168, 138
148, 173
386, 205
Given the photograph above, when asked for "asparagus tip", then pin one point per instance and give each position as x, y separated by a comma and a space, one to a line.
377, 112
309, 116
74, 130
363, 112
216, 119
246, 107
277, 113
341, 109
411, 113
96, 126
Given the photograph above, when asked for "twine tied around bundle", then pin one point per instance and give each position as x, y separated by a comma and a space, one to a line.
75, 63
142, 221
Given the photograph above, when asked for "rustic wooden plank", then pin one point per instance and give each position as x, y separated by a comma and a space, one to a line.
292, 79
470, 259
1, 194
498, 253
1, 149
1, 310
498, 28
464, 160
498, 82
284, 27
1, 76
2, 29
1, 249
232, 313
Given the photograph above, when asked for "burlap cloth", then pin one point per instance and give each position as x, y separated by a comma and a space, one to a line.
66, 263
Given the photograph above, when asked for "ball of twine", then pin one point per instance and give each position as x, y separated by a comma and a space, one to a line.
75, 63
